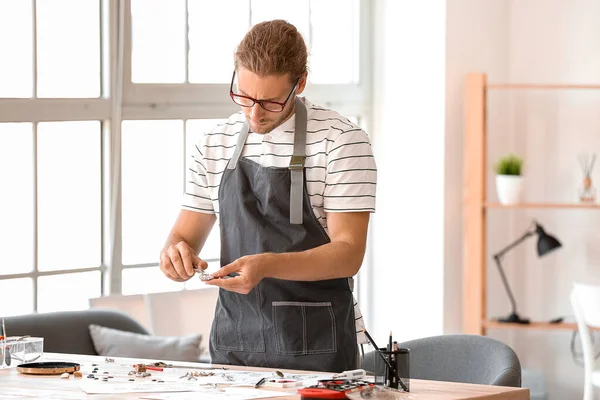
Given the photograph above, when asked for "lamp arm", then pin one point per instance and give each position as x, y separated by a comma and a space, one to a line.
514, 244
497, 258
506, 286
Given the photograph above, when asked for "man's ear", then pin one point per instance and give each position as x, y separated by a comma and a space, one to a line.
302, 83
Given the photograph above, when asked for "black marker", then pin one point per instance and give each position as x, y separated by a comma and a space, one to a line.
262, 380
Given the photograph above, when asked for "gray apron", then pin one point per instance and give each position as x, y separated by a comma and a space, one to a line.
280, 323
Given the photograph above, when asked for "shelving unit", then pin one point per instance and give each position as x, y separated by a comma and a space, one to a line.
542, 205
475, 320
488, 324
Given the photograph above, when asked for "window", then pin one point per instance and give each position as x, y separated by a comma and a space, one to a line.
96, 176
162, 53
51, 123
16, 75
68, 193
17, 229
158, 31
68, 49
152, 166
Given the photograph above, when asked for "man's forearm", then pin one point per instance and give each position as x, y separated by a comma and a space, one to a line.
172, 240
192, 228
333, 260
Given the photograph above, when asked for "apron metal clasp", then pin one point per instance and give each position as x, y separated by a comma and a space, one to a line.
297, 162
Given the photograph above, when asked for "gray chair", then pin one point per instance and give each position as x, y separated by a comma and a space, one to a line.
68, 331
457, 358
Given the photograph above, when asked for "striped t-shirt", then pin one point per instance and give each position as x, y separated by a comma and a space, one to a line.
340, 170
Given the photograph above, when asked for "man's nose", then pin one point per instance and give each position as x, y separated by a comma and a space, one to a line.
257, 112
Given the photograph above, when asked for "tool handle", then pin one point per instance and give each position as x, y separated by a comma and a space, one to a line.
353, 374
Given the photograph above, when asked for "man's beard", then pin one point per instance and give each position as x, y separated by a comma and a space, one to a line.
263, 129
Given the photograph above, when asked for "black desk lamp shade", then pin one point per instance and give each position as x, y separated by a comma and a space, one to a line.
546, 244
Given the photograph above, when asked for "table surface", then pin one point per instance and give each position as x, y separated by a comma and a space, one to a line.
14, 385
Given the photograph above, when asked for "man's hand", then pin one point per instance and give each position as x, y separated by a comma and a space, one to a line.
250, 269
178, 261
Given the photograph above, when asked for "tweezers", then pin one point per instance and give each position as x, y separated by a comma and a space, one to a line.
162, 364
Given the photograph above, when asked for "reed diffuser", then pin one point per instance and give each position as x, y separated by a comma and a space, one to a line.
587, 194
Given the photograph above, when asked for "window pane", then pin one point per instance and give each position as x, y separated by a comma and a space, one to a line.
22, 289
153, 176
158, 29
69, 199
194, 129
68, 48
211, 55
16, 202
16, 47
68, 292
334, 52
295, 12
147, 280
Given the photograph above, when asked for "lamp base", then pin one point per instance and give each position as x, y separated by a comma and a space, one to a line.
515, 319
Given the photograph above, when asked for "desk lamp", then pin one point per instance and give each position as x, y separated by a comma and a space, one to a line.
546, 243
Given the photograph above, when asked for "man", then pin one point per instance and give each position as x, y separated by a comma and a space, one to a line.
292, 186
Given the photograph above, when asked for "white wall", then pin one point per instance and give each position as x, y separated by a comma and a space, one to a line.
477, 41
406, 266
528, 41
555, 41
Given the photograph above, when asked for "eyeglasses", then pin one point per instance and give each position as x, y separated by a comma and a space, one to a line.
269, 105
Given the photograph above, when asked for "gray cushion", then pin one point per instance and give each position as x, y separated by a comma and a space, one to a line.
115, 343
458, 358
68, 331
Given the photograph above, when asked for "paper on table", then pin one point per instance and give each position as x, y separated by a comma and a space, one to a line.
249, 378
222, 393
100, 387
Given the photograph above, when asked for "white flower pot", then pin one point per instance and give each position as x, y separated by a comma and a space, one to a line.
509, 188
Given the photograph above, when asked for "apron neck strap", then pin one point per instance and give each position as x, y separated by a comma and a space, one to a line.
242, 136
297, 160
297, 164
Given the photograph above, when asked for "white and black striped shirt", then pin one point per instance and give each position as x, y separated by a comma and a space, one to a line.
341, 174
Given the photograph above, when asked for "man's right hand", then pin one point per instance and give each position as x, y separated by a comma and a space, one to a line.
178, 262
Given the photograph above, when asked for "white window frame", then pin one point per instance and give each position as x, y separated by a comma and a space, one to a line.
36, 110
121, 99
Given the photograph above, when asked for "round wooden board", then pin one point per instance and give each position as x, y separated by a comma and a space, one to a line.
48, 368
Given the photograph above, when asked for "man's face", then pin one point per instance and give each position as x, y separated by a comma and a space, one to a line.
275, 88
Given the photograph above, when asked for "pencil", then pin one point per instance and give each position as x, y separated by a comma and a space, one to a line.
377, 349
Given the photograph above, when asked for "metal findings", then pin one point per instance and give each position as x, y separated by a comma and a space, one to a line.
203, 275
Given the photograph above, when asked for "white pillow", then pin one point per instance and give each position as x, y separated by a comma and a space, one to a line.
116, 343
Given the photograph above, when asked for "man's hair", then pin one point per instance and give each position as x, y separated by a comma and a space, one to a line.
273, 48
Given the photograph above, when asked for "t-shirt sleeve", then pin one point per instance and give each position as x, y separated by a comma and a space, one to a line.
351, 179
197, 192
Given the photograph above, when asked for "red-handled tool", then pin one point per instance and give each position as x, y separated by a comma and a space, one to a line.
332, 389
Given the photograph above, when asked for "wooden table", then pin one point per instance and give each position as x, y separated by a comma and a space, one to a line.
14, 385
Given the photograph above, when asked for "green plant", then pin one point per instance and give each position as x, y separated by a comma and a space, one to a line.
509, 165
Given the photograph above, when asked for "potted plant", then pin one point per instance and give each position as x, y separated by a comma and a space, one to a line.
509, 179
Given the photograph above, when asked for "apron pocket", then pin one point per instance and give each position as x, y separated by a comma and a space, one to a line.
238, 324
304, 327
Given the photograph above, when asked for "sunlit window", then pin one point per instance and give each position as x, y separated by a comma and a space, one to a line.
95, 183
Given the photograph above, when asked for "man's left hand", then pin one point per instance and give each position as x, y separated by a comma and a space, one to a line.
250, 270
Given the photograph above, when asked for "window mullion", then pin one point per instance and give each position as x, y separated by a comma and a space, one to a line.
125, 31
112, 256
249, 13
187, 42
35, 216
310, 26
35, 64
